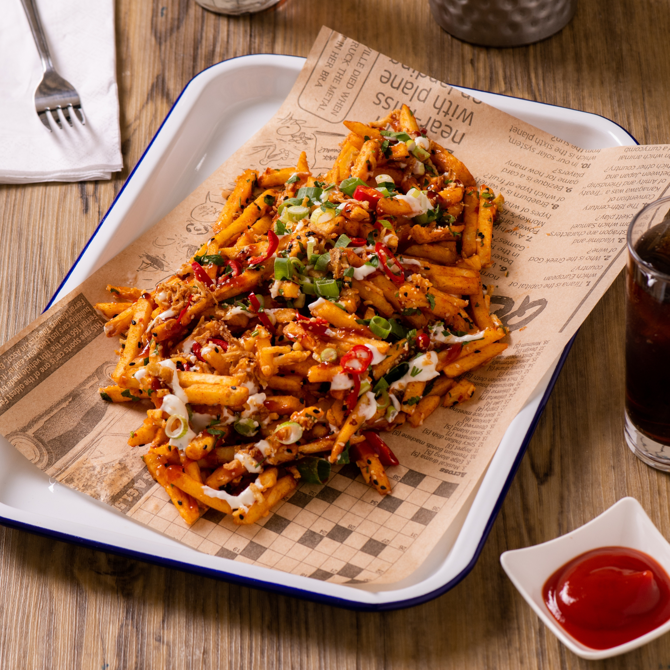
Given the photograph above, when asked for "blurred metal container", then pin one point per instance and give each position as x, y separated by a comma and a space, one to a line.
502, 23
236, 7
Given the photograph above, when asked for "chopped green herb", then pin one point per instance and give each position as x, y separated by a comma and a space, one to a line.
415, 371
210, 259
105, 396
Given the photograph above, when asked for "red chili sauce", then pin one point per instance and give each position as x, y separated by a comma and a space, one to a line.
609, 596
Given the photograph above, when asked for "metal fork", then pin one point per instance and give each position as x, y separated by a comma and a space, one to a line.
53, 92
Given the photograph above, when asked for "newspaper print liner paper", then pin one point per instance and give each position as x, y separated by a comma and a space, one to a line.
558, 245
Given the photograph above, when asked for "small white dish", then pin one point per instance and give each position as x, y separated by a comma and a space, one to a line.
625, 524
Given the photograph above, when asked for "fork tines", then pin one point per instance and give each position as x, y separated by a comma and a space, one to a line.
65, 111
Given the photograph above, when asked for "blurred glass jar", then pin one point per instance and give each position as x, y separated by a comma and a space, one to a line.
235, 7
502, 23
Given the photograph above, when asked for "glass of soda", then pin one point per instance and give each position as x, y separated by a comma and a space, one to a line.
647, 427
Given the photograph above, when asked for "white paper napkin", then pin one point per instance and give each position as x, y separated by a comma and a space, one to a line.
80, 34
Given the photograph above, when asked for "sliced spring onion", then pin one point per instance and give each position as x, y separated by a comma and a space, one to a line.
384, 178
342, 242
321, 216
289, 432
349, 185
289, 202
401, 137
378, 324
310, 248
176, 426
283, 269
327, 288
321, 264
297, 212
313, 470
420, 153
308, 288
328, 355
381, 385
383, 399
365, 387
246, 427
384, 191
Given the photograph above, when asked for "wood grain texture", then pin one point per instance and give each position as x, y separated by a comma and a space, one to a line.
66, 607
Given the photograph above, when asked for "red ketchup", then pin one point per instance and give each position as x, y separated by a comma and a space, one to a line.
609, 596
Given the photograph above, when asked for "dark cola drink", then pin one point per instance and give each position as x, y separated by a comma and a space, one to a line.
648, 346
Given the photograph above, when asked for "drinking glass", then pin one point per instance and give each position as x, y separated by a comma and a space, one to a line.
647, 420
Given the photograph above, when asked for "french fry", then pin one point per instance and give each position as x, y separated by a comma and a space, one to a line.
464, 390
470, 216
424, 409
112, 309
474, 360
487, 210
257, 209
281, 489
138, 325
237, 200
185, 504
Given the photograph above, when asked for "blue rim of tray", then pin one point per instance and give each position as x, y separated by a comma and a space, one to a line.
271, 586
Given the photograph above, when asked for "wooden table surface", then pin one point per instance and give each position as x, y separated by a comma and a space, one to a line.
63, 606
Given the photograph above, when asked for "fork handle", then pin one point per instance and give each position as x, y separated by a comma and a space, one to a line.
38, 33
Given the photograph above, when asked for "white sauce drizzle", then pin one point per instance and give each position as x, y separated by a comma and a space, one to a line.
367, 407
248, 462
242, 501
425, 364
377, 356
174, 383
363, 272
437, 335
340, 382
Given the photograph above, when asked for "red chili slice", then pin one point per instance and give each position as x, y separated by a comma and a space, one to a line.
316, 324
385, 254
254, 302
197, 351
265, 320
367, 194
386, 456
358, 242
182, 314
219, 342
356, 361
201, 275
273, 243
235, 267
453, 352
352, 396
422, 341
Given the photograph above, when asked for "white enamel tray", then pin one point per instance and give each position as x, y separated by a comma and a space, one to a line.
216, 113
